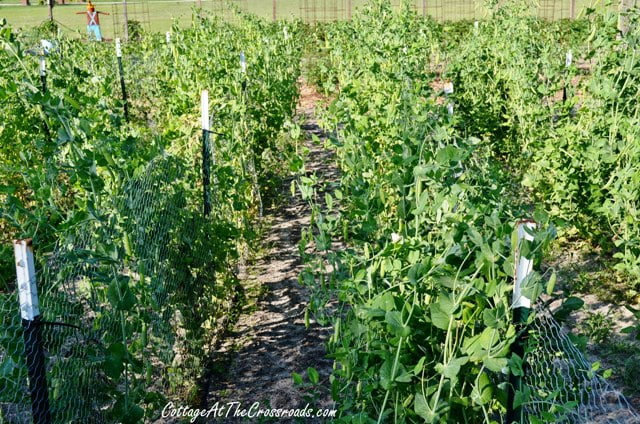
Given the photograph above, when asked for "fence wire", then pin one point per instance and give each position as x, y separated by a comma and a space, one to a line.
562, 386
88, 291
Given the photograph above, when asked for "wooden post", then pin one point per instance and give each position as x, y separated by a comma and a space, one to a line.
623, 21
424, 8
349, 9
572, 9
275, 14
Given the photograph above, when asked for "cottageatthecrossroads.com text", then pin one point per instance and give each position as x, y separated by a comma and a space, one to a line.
236, 410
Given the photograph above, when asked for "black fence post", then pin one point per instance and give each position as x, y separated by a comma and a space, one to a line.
521, 306
122, 85
33, 346
206, 153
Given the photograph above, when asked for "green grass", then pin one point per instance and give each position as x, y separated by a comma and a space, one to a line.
162, 14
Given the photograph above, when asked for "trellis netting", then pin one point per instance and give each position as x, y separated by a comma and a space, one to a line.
122, 300
560, 384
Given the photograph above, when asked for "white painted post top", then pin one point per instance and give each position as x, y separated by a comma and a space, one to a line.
448, 87
47, 46
118, 48
43, 66
26, 273
524, 266
243, 63
204, 109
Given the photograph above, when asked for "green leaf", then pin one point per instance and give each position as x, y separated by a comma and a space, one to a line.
115, 360
394, 319
441, 313
568, 306
120, 296
482, 392
297, 378
452, 369
314, 377
421, 407
551, 283
385, 374
127, 412
496, 364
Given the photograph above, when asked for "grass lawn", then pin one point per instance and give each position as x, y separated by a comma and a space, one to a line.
163, 13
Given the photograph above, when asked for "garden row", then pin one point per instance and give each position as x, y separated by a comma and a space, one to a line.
433, 184
137, 281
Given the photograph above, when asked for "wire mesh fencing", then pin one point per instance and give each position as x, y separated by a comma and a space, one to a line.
122, 300
312, 11
560, 384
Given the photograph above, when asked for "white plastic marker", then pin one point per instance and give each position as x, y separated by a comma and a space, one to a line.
286, 33
168, 37
568, 59
204, 110
243, 63
448, 89
43, 66
26, 273
118, 48
47, 46
476, 25
524, 266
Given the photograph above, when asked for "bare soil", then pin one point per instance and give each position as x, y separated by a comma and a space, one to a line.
270, 340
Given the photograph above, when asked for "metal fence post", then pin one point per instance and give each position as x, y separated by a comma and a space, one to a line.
521, 306
33, 347
206, 152
122, 85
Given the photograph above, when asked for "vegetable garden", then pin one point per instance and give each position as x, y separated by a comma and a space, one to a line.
465, 151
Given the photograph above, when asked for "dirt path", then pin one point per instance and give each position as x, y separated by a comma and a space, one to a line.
270, 340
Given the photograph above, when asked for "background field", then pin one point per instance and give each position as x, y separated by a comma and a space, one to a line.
162, 14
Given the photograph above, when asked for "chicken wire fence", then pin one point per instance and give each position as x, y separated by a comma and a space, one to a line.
313, 11
560, 384
98, 306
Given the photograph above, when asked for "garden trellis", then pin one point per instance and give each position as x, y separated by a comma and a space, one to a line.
136, 264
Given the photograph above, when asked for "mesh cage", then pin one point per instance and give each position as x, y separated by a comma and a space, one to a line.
560, 383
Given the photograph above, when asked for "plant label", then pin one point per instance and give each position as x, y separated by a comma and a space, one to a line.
26, 273
568, 59
43, 66
524, 265
204, 109
168, 37
118, 48
448, 88
243, 63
